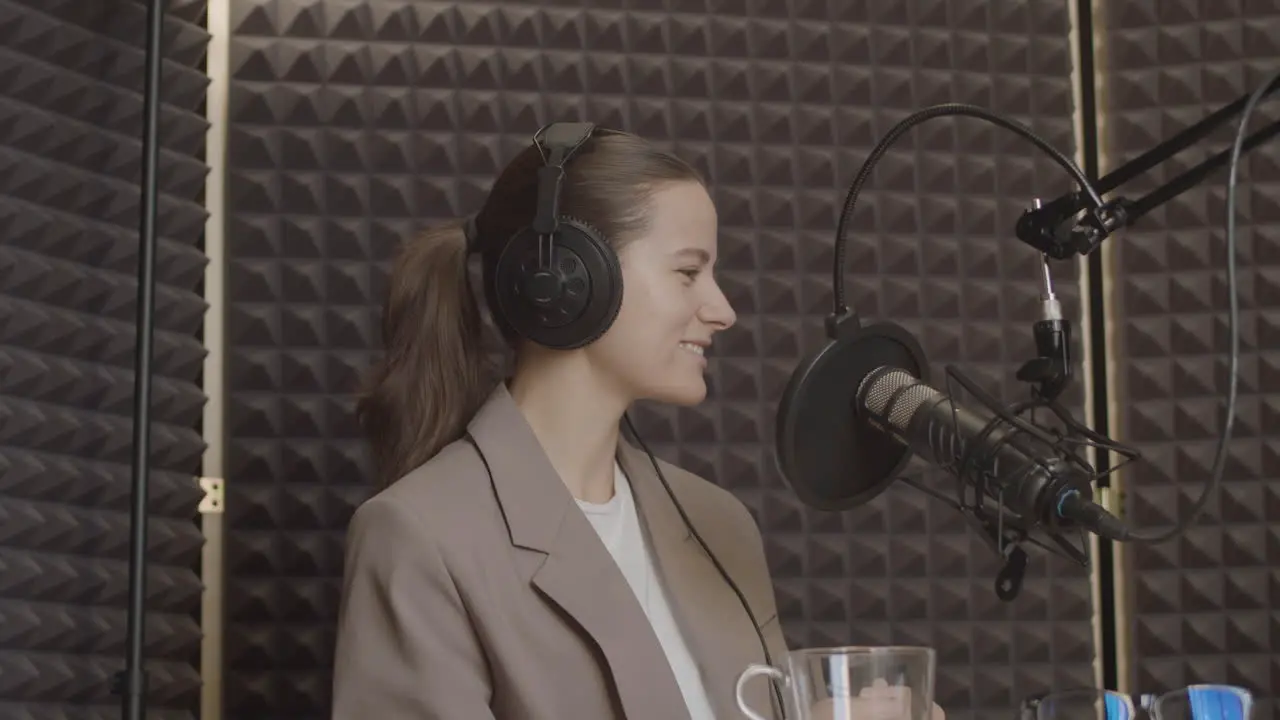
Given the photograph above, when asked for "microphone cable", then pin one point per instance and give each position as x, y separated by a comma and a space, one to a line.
1233, 334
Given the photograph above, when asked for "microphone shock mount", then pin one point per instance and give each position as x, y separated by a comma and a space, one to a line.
1059, 469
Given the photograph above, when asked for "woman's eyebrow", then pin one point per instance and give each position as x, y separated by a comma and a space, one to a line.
697, 253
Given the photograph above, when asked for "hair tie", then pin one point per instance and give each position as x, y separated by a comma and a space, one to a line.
471, 235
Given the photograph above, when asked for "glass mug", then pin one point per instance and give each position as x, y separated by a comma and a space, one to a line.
851, 683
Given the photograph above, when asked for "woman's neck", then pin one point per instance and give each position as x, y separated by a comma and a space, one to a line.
575, 418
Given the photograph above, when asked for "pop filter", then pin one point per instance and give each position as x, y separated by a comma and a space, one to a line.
832, 459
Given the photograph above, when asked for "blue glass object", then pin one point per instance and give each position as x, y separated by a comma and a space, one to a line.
1196, 702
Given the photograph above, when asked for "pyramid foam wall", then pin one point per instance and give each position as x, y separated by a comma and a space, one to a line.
71, 113
1203, 604
353, 123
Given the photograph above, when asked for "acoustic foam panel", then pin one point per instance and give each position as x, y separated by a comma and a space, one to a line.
352, 124
71, 113
1203, 605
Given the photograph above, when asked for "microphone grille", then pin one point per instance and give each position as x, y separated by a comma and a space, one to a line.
893, 395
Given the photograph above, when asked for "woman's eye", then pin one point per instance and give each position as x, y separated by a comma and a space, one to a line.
691, 273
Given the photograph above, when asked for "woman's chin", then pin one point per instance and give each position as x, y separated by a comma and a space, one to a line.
684, 394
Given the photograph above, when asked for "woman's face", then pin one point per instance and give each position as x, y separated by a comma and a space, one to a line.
671, 304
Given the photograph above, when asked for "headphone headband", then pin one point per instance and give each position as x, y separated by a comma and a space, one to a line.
557, 143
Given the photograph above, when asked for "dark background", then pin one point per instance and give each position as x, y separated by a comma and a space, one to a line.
71, 81
354, 123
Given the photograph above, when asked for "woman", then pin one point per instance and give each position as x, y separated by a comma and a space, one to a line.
524, 561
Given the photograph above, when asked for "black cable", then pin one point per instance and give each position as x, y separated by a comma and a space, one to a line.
929, 113
742, 598
133, 683
1233, 333
768, 656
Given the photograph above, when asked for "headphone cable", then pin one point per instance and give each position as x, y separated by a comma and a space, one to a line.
768, 657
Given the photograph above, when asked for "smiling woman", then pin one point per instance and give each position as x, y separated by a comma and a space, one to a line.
672, 307
523, 560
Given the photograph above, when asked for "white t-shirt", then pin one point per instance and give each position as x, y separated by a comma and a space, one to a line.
618, 525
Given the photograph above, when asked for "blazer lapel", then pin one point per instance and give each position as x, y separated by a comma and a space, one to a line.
719, 632
569, 565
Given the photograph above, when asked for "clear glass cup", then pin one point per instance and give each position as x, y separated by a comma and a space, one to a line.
851, 683
1195, 702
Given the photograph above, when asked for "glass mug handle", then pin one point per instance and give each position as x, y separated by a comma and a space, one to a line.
753, 670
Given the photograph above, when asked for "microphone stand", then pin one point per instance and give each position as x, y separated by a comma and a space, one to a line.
132, 682
1077, 223
1053, 228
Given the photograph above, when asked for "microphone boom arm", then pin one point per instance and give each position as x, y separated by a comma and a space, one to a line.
1053, 228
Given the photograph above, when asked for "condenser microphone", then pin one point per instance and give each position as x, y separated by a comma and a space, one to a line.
1017, 466
855, 412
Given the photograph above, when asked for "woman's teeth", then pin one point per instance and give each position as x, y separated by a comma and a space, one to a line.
698, 349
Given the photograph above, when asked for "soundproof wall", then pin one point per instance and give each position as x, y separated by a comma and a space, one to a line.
354, 124
71, 113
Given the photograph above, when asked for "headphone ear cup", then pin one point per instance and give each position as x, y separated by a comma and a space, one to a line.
566, 306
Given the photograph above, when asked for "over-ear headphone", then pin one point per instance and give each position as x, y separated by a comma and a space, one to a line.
557, 282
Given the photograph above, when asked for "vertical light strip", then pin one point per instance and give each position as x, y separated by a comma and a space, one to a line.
1112, 498
1081, 321
212, 570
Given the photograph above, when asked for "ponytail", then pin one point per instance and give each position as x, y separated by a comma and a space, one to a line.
432, 377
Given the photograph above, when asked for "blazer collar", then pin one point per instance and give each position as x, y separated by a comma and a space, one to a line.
718, 630
567, 563
574, 570
533, 499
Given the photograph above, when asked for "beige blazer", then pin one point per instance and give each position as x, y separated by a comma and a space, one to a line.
467, 598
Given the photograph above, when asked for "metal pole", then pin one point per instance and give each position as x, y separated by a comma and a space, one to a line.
135, 685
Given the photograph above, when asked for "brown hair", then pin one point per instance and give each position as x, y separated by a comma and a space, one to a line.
434, 374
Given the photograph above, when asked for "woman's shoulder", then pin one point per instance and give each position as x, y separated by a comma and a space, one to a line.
450, 486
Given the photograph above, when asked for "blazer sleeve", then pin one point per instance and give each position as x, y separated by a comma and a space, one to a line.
405, 648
